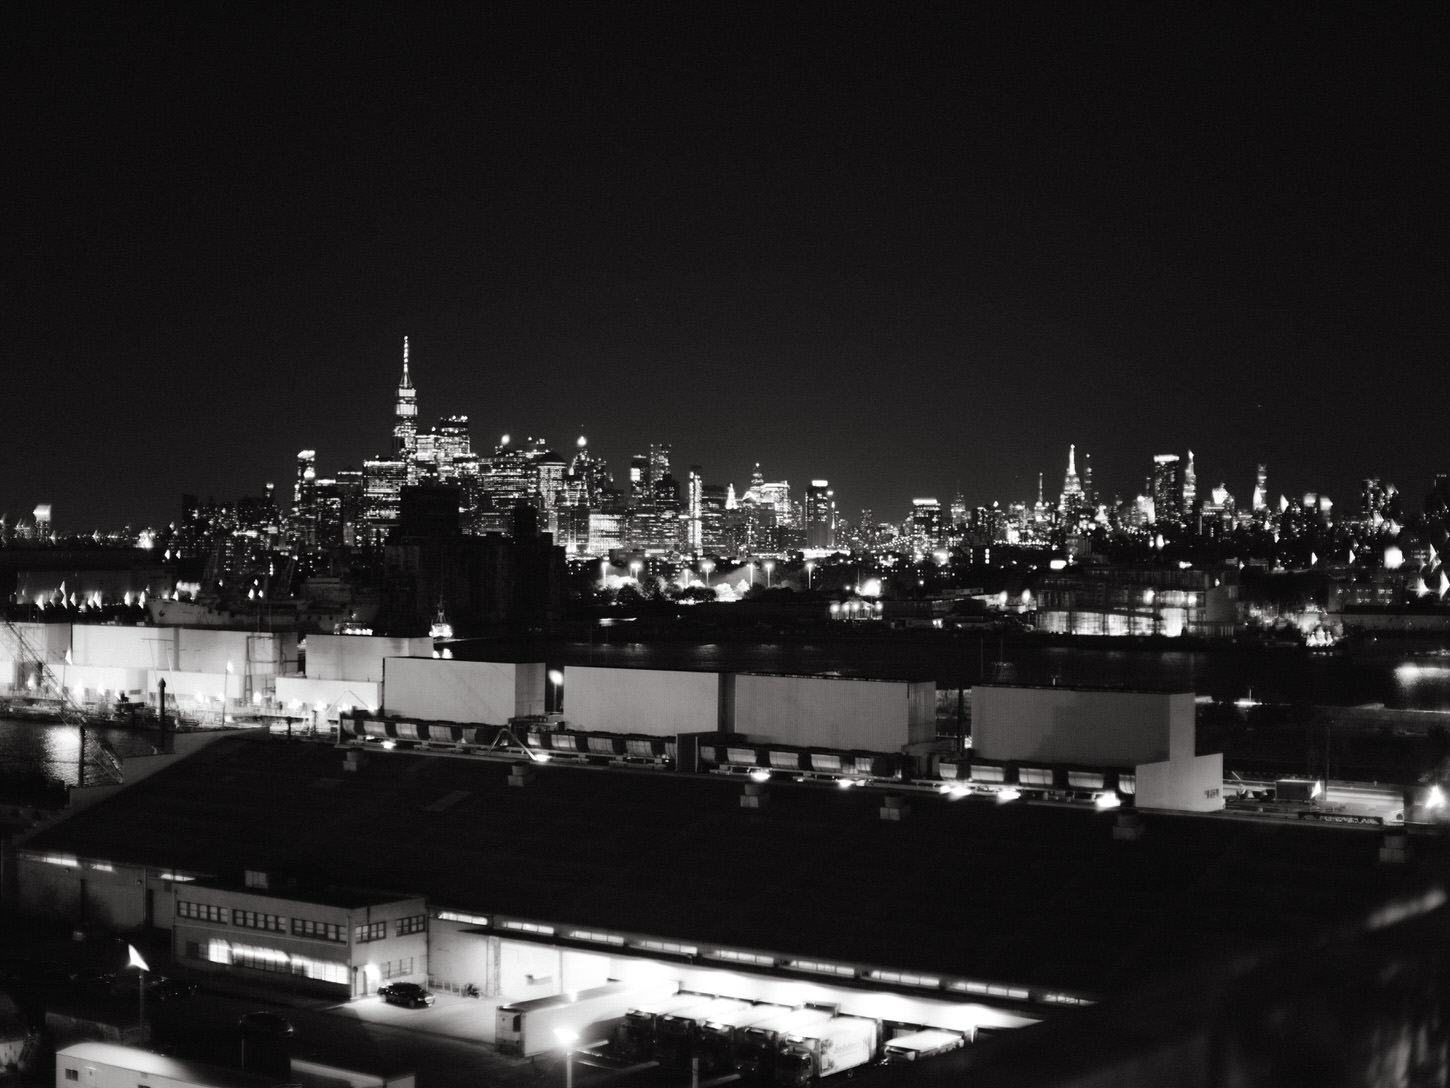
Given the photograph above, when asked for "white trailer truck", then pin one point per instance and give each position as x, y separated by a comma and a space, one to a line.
756, 1045
719, 1034
833, 1047
555, 1023
917, 1045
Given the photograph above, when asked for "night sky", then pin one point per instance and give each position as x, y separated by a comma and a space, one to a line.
908, 251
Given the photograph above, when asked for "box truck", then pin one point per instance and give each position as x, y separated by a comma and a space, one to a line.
829, 1048
555, 1023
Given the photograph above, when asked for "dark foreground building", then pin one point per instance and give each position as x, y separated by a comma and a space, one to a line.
1179, 930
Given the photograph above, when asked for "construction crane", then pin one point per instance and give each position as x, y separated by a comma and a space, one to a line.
34, 663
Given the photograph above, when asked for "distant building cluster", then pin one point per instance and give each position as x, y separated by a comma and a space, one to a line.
577, 501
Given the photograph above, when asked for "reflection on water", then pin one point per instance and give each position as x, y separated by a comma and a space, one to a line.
52, 749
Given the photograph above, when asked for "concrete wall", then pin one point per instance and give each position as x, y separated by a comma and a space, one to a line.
85, 682
303, 693
125, 647
658, 702
468, 692
359, 657
1069, 725
1191, 784
824, 712
206, 649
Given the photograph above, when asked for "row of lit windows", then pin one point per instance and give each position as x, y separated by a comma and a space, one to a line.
327, 931
269, 959
815, 967
251, 919
202, 912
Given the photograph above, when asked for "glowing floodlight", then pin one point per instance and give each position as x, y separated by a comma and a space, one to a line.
1003, 796
760, 774
1105, 801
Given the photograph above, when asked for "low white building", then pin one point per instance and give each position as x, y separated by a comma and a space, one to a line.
1045, 733
341, 941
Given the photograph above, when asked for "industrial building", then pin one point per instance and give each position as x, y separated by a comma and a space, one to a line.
970, 914
1141, 741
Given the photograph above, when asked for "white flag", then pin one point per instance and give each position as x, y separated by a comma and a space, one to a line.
136, 960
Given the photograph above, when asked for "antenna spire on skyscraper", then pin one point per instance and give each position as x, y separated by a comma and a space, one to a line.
407, 382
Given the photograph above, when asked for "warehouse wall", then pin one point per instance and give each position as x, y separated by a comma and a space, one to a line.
359, 657
468, 692
826, 712
1192, 784
1073, 725
658, 702
125, 647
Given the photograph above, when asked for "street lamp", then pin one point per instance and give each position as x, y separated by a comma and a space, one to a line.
556, 678
568, 1037
635, 566
140, 964
706, 567
809, 568
769, 566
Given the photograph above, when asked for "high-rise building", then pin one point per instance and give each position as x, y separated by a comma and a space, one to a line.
1071, 497
405, 417
302, 529
1167, 487
820, 515
1261, 491
695, 511
1190, 488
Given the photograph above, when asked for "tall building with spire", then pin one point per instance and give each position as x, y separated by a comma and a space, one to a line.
405, 417
1071, 496
1190, 488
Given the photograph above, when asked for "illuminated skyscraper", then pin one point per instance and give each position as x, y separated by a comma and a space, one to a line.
820, 515
694, 511
1071, 496
1261, 491
1167, 487
405, 417
303, 527
1190, 488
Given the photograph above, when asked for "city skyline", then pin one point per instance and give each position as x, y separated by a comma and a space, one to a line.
906, 256
1050, 491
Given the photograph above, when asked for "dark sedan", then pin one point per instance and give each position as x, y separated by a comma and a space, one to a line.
407, 994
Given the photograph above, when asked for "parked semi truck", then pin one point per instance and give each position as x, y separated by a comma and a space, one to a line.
718, 1035
551, 1023
917, 1045
756, 1045
634, 1039
676, 1033
829, 1048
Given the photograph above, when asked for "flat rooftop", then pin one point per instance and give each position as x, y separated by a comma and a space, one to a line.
1034, 895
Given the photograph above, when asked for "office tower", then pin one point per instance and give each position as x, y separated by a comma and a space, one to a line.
1261, 491
405, 417
1190, 488
1071, 495
694, 511
302, 530
1167, 487
639, 486
820, 515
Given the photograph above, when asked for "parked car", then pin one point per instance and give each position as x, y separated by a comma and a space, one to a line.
407, 994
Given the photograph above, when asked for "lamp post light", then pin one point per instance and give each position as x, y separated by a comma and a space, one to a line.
556, 678
706, 568
809, 568
568, 1038
635, 566
769, 566
137, 962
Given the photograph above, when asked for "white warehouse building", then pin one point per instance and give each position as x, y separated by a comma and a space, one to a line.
1149, 735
